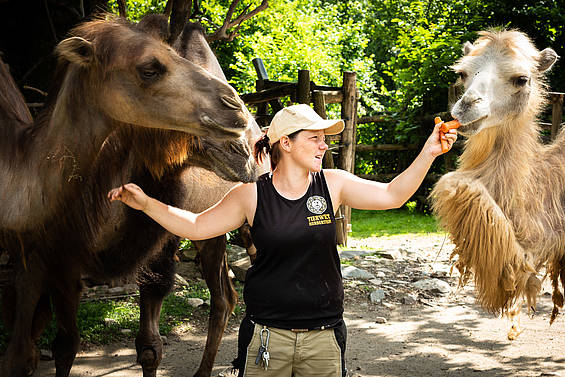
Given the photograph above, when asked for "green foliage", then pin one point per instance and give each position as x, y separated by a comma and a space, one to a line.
185, 244
402, 51
136, 9
317, 35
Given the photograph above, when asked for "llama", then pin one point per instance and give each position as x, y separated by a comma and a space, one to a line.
504, 205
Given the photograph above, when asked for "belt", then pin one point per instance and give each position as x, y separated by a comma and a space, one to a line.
306, 330
324, 327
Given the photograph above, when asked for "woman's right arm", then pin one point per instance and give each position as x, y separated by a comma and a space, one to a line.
226, 215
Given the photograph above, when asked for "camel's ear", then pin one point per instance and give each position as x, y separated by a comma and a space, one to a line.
546, 59
468, 48
76, 50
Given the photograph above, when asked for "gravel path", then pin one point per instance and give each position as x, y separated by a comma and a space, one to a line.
401, 330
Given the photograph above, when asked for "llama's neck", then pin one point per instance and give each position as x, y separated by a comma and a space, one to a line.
504, 160
50, 160
506, 146
502, 157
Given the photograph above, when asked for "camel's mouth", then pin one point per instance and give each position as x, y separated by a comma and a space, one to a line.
224, 131
233, 162
470, 128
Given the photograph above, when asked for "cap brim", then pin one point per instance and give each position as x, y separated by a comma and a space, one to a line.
330, 126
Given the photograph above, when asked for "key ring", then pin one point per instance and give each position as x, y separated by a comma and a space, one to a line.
266, 343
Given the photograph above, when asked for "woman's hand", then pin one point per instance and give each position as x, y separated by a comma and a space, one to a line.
433, 144
130, 194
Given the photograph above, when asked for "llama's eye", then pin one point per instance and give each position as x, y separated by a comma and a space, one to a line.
462, 76
148, 73
521, 81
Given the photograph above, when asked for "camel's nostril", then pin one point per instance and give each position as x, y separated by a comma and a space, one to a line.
230, 102
208, 121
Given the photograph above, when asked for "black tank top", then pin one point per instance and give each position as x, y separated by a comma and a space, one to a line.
295, 281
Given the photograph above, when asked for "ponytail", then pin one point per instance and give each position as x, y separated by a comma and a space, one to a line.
262, 149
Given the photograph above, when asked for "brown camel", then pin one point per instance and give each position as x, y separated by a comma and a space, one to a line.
108, 74
503, 207
81, 233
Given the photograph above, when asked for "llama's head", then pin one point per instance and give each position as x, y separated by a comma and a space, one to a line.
502, 73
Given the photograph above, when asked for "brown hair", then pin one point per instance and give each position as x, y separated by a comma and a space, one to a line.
263, 148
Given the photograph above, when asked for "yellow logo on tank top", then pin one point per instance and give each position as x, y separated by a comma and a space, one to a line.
319, 219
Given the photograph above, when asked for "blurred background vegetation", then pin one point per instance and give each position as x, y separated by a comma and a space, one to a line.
401, 50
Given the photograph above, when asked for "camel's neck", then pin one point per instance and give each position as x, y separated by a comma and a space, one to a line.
498, 149
50, 159
503, 158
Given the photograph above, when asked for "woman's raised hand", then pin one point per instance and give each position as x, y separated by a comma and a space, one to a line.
434, 144
130, 194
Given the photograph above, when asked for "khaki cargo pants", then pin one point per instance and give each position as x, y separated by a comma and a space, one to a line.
295, 353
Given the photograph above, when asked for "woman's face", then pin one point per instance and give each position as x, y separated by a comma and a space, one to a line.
308, 148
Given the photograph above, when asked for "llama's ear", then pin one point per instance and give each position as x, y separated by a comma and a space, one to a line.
546, 59
468, 48
76, 50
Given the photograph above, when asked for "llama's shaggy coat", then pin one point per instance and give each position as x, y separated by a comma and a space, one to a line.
504, 206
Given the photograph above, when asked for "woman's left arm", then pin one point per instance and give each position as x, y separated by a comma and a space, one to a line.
365, 194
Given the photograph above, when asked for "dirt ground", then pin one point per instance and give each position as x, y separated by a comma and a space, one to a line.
409, 333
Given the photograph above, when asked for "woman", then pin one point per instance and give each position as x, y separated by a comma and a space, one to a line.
293, 292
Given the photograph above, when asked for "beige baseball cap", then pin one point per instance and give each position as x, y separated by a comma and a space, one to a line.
300, 117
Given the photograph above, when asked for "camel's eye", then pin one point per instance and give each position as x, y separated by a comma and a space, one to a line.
150, 72
520, 81
462, 75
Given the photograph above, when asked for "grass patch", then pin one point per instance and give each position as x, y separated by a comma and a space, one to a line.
123, 314
366, 224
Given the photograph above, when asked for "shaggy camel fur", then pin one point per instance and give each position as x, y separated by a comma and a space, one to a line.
504, 205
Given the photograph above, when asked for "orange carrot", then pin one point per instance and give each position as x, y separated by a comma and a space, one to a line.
443, 129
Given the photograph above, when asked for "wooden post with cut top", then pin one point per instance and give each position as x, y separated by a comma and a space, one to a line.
347, 145
303, 88
318, 98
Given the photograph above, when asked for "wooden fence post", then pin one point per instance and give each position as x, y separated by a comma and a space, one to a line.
303, 89
347, 145
557, 113
318, 98
262, 74
319, 101
261, 113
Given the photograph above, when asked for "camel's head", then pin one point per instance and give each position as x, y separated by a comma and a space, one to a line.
502, 73
232, 160
135, 78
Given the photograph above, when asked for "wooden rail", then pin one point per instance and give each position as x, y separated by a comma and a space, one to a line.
556, 113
